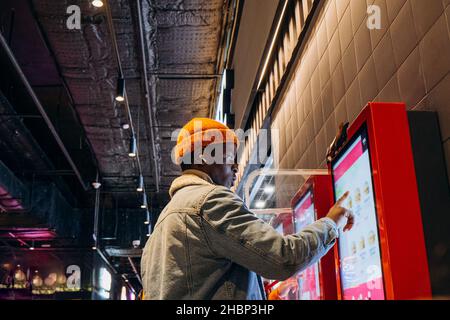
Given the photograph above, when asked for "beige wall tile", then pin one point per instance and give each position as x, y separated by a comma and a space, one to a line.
318, 116
383, 57
363, 47
331, 19
322, 39
290, 158
353, 101
324, 69
393, 8
404, 37
359, 13
301, 140
425, 14
307, 101
368, 82
312, 156
377, 34
349, 65
341, 5
315, 86
342, 70
345, 30
447, 17
340, 112
391, 92
300, 106
309, 128
435, 53
295, 127
330, 129
334, 51
320, 146
327, 101
411, 80
337, 83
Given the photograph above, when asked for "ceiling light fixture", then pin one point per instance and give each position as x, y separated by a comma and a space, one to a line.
260, 204
133, 147
147, 221
144, 201
140, 187
125, 126
120, 95
97, 3
269, 189
274, 37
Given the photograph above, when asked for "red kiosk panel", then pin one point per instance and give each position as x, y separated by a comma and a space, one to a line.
383, 256
308, 280
312, 202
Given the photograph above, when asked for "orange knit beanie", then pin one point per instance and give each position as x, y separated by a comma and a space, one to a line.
199, 133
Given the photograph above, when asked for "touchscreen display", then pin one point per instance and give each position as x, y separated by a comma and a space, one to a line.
308, 280
359, 248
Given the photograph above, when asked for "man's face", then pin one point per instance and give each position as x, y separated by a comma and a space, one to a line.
224, 173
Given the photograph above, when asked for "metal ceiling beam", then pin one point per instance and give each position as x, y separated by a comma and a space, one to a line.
41, 109
147, 95
135, 270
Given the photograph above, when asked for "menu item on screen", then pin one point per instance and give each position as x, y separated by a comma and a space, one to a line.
359, 248
308, 280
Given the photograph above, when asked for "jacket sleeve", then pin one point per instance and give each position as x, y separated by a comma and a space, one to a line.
235, 233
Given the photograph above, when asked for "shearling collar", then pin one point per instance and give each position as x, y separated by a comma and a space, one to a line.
189, 178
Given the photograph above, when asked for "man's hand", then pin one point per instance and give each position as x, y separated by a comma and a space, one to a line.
340, 215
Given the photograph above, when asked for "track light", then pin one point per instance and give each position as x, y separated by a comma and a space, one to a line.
144, 201
97, 3
269, 189
140, 187
133, 148
260, 204
120, 95
147, 221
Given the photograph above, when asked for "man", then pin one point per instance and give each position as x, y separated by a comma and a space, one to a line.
206, 244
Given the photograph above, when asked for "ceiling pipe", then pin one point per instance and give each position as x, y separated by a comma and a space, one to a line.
42, 112
135, 270
133, 131
147, 95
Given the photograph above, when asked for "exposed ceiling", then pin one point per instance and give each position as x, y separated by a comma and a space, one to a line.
182, 42
74, 73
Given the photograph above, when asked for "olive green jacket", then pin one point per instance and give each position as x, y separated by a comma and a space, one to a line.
206, 244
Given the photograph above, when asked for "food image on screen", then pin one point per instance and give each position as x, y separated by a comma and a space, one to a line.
359, 249
308, 280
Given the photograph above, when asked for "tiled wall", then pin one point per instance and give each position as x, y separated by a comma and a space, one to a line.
344, 65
